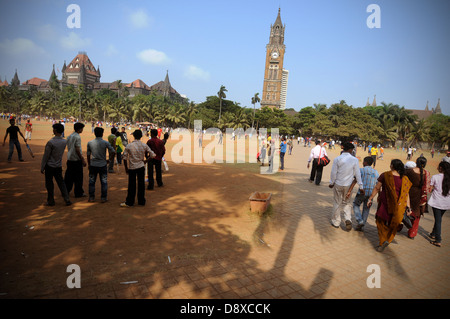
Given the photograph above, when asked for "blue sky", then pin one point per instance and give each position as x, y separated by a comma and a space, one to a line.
331, 54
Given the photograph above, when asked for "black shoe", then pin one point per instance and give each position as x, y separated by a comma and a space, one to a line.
84, 195
149, 188
360, 227
68, 203
49, 204
348, 225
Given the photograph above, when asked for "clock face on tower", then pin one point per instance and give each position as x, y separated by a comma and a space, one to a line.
274, 55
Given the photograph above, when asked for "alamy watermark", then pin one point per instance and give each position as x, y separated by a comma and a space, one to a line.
74, 19
240, 147
374, 20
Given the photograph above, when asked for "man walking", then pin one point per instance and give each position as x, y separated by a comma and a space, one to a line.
51, 165
157, 146
75, 162
14, 132
369, 177
345, 169
134, 158
316, 170
97, 164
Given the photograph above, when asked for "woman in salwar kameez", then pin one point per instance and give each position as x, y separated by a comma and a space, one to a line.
393, 201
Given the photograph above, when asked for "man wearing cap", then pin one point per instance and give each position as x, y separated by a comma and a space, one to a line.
447, 158
134, 160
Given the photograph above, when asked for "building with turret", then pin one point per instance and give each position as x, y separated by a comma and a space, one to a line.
81, 71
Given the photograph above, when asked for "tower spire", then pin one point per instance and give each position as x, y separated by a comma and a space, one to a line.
437, 110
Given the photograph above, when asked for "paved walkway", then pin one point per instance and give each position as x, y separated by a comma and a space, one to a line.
303, 257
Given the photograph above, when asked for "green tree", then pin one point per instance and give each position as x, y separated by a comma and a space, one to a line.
255, 99
221, 94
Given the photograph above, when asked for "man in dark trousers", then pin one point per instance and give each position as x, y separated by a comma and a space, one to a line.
134, 159
75, 162
157, 146
51, 165
14, 132
97, 164
316, 170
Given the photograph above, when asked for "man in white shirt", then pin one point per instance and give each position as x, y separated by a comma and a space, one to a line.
316, 170
446, 158
345, 168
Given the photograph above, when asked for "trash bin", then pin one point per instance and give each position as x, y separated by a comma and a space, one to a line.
259, 202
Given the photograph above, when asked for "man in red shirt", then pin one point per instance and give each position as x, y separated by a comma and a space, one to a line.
157, 146
159, 132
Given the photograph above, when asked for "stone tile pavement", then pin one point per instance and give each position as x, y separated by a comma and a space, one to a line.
306, 258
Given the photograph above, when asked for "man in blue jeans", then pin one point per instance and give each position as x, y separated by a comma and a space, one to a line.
14, 132
97, 164
369, 177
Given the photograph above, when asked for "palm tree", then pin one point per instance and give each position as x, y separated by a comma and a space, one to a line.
39, 104
81, 92
190, 111
221, 94
419, 132
445, 137
319, 107
240, 120
176, 115
119, 87
255, 99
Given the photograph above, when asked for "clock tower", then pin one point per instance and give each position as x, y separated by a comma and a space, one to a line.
275, 77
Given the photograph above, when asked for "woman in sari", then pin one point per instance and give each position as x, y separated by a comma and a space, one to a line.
420, 179
393, 201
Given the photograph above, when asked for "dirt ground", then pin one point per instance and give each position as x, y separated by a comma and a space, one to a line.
111, 243
201, 214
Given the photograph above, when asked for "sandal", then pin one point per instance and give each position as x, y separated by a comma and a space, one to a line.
431, 236
436, 244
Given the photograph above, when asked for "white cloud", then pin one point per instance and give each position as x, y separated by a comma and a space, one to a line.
139, 19
193, 72
73, 42
20, 46
111, 50
151, 56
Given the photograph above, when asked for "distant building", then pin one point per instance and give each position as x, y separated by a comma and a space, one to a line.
423, 114
82, 71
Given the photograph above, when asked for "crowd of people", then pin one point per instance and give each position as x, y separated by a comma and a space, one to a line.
405, 192
135, 157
